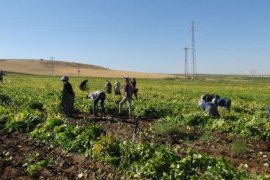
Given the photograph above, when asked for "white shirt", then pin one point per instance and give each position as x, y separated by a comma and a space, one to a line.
117, 86
94, 94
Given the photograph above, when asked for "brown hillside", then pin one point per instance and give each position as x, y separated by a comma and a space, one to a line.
44, 67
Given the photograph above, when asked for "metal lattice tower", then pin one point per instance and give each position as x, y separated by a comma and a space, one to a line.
186, 61
194, 68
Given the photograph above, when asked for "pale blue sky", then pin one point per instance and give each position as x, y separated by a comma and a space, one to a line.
232, 36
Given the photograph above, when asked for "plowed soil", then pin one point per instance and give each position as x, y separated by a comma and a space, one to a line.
16, 147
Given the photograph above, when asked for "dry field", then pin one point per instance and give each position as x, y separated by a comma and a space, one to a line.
44, 67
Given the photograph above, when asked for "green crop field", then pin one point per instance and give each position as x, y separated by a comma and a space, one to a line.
175, 139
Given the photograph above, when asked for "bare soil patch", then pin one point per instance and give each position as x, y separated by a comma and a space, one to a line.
15, 147
252, 155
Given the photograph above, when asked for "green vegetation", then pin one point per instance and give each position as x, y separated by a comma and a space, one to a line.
34, 164
239, 148
32, 105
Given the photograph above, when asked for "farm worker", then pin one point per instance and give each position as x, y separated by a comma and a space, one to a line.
127, 96
223, 102
67, 97
97, 96
210, 108
1, 75
108, 87
134, 88
117, 87
83, 85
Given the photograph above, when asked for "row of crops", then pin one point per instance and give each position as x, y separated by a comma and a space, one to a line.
30, 104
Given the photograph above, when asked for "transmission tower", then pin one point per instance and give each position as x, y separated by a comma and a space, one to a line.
186, 61
194, 69
253, 73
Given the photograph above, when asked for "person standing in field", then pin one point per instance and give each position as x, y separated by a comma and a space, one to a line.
134, 88
108, 87
117, 87
1, 75
127, 96
97, 96
67, 97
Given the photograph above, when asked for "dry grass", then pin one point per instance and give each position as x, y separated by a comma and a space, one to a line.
44, 67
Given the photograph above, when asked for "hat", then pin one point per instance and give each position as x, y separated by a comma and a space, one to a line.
126, 77
64, 78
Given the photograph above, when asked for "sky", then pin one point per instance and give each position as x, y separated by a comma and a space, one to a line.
231, 36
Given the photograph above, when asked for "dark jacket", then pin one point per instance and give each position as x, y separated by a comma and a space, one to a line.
67, 89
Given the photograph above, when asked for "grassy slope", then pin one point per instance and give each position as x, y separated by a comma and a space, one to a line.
44, 67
